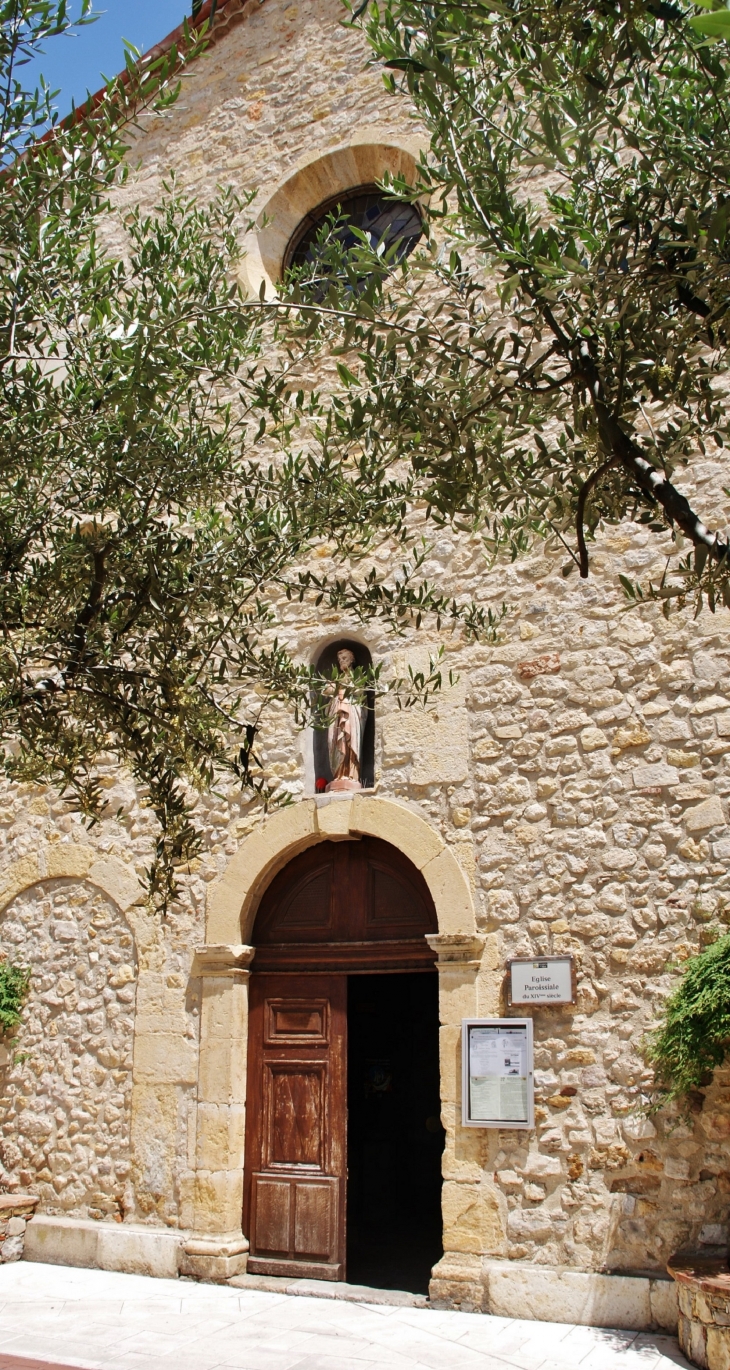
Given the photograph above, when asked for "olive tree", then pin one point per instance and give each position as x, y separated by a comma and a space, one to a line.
164, 482
559, 363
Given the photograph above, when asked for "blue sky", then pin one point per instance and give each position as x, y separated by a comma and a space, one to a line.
73, 64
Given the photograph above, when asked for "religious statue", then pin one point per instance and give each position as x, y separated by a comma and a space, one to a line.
345, 728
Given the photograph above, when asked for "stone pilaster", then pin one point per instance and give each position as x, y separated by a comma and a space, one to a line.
216, 1249
457, 1279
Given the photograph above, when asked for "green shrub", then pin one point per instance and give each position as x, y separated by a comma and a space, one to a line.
694, 1035
14, 985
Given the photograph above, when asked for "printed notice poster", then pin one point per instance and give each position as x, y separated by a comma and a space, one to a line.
548, 980
498, 1082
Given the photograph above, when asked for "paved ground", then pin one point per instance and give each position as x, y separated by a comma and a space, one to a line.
101, 1321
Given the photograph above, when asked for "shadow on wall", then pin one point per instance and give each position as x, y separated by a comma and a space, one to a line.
66, 1089
668, 1158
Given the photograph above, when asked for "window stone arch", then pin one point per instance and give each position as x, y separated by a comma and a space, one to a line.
361, 163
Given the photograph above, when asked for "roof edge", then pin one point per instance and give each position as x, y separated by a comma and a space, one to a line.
211, 12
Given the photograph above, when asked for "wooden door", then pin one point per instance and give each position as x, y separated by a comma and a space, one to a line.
296, 1126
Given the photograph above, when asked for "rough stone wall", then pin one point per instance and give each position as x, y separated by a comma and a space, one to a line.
16, 1210
595, 796
66, 1088
578, 771
288, 82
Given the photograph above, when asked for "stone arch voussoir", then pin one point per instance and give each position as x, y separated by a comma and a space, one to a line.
363, 161
73, 861
234, 899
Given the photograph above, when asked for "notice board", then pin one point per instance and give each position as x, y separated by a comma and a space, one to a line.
497, 1073
541, 980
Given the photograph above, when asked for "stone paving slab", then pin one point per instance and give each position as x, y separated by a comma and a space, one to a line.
61, 1318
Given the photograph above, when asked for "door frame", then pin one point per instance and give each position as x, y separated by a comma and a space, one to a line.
469, 982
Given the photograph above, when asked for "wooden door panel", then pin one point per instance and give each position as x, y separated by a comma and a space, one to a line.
295, 1219
309, 907
272, 1215
315, 1218
343, 893
294, 1209
295, 1114
290, 1022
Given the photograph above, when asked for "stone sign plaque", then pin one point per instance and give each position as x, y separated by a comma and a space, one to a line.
541, 980
497, 1076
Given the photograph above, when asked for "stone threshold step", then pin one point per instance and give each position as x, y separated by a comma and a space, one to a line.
329, 1289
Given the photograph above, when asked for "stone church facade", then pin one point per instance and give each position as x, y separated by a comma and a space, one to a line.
567, 795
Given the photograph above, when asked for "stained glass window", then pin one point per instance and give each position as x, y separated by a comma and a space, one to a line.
387, 224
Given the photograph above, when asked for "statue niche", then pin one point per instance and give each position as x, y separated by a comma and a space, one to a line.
344, 743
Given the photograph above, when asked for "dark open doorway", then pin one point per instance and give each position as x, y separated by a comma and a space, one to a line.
394, 1137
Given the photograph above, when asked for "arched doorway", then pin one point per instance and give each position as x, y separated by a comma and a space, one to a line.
343, 1134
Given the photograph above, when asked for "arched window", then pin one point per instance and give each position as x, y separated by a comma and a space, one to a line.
389, 225
344, 746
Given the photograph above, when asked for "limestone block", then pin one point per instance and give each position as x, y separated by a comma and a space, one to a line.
612, 898
221, 1078
457, 994
529, 1224
220, 1136
223, 1007
472, 1220
709, 705
136, 1249
399, 825
437, 743
718, 1348
706, 815
663, 1303
62, 1241
159, 1008
451, 893
517, 1290
696, 1347
593, 739
165, 1058
139, 1250
11, 1249
464, 1155
537, 1166
515, 790
19, 876
450, 1059
67, 860
647, 777
153, 1134
117, 880
218, 1197
635, 735
216, 1269
457, 1282
502, 906
333, 819
547, 664
633, 630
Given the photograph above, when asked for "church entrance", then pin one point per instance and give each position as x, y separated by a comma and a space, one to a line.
343, 1133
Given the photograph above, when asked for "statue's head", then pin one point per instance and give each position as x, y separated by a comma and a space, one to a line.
345, 659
